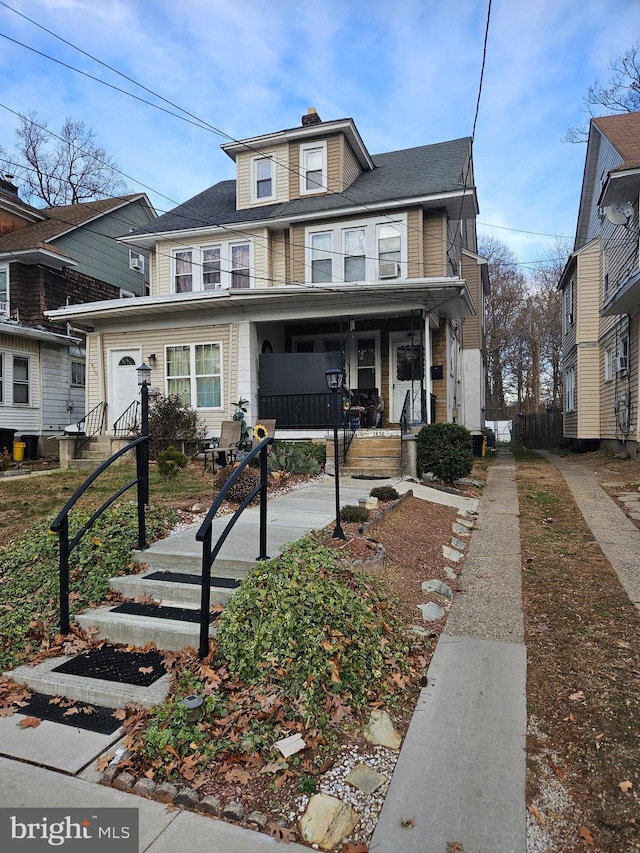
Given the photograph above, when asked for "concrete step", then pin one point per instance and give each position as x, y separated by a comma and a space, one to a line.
365, 447
93, 455
95, 691
169, 634
82, 464
161, 557
171, 594
372, 470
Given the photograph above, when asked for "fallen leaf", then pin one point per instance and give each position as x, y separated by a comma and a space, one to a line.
625, 786
558, 771
170, 807
534, 811
454, 847
281, 833
7, 712
145, 670
587, 837
351, 847
274, 766
30, 723
575, 697
71, 711
237, 774
409, 823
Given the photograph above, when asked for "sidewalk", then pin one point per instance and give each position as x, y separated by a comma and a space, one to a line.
460, 774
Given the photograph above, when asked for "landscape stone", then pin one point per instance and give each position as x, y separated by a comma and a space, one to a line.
258, 819
371, 503
165, 792
450, 573
124, 781
198, 507
438, 587
144, 787
465, 522
186, 797
233, 811
431, 611
418, 631
451, 554
380, 730
365, 778
327, 821
458, 543
461, 529
210, 805
109, 774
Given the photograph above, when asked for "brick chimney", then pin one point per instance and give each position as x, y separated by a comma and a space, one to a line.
311, 117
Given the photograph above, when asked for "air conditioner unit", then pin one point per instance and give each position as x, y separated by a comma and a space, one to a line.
388, 269
621, 363
137, 264
4, 309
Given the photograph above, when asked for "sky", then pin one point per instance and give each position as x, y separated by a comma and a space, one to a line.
407, 72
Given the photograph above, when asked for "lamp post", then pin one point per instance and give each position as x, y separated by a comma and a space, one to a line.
142, 453
334, 384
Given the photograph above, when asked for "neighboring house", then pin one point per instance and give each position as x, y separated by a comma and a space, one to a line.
50, 257
317, 254
601, 293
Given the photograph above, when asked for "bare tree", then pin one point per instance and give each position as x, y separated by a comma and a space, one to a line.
64, 168
621, 95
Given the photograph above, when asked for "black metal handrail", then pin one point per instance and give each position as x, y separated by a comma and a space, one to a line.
405, 418
204, 533
347, 437
60, 524
129, 421
92, 422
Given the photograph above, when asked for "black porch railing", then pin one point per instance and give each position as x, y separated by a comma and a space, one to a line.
297, 411
204, 534
60, 525
129, 421
406, 418
92, 424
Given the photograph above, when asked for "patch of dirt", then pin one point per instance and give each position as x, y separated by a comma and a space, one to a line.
583, 675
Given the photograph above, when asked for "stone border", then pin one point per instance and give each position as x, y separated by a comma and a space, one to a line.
371, 563
385, 512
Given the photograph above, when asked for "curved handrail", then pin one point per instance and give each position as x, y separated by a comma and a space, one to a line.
204, 533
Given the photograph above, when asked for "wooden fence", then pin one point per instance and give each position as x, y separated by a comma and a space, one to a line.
541, 430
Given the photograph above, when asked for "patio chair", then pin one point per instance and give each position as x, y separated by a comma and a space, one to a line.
223, 450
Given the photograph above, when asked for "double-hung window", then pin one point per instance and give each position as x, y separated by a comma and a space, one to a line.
217, 266
1, 377
608, 364
355, 255
313, 168
20, 380
4, 290
321, 259
570, 390
194, 374
623, 354
263, 181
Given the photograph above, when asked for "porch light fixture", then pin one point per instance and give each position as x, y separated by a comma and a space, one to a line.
193, 704
152, 359
334, 384
144, 374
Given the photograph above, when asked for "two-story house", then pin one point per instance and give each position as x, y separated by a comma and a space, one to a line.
317, 254
51, 257
601, 293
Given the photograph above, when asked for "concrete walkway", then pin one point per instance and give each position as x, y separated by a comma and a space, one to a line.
616, 534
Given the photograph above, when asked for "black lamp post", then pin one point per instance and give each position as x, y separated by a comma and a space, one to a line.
142, 453
334, 383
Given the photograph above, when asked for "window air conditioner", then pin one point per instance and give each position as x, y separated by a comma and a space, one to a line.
4, 309
621, 363
388, 269
136, 264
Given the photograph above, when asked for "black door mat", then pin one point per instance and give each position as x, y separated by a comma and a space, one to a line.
99, 719
178, 614
179, 577
116, 665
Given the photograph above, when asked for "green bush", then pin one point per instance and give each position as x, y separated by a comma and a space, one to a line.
170, 421
170, 461
312, 627
446, 450
384, 493
247, 481
292, 457
358, 514
29, 592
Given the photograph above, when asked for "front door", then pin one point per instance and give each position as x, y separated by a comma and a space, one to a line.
124, 382
407, 372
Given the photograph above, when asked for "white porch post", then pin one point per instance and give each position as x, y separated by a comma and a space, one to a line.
247, 360
427, 365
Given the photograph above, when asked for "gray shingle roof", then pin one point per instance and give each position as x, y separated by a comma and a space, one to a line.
409, 173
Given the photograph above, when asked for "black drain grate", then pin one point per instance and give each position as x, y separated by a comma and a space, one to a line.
116, 665
100, 720
178, 614
180, 577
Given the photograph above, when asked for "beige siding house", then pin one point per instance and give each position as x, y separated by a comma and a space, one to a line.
601, 293
317, 254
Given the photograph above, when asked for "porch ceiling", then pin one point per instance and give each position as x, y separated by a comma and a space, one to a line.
448, 297
626, 299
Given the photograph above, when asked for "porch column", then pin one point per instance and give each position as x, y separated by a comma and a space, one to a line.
428, 361
247, 361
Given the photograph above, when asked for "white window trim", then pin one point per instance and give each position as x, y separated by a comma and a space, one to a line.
136, 261
338, 255
304, 149
254, 179
193, 376
608, 363
622, 357
197, 256
570, 389
3, 378
79, 362
568, 311
5, 303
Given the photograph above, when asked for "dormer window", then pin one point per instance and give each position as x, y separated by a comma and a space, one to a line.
4, 290
313, 168
263, 180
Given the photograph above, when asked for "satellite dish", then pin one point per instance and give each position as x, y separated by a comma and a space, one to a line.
620, 214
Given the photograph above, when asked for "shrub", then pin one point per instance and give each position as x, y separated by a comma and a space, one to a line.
170, 461
312, 627
358, 514
171, 421
247, 481
384, 493
446, 450
292, 457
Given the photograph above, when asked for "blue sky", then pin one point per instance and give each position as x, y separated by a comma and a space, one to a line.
407, 72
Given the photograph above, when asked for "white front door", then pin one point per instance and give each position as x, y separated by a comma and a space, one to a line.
407, 370
123, 385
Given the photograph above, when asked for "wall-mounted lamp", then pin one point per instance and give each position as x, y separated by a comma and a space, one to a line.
152, 359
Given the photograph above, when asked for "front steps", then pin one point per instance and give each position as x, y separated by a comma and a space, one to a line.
373, 453
94, 453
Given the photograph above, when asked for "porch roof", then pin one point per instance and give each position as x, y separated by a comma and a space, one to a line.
447, 297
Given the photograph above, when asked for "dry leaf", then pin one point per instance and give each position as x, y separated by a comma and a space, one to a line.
170, 807
454, 847
625, 786
71, 711
534, 811
558, 771
145, 670
587, 837
30, 723
575, 697
7, 712
351, 847
237, 774
409, 823
281, 833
